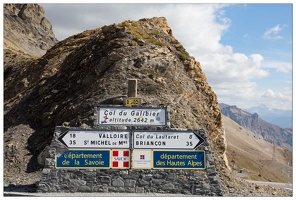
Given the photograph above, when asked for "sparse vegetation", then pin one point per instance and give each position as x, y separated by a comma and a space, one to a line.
159, 43
151, 76
141, 34
13, 56
183, 57
255, 170
178, 86
183, 54
135, 24
133, 43
125, 23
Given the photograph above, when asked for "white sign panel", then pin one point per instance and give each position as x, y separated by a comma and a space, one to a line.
132, 116
166, 139
96, 139
142, 159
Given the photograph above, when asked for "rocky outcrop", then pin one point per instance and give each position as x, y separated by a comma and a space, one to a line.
93, 67
26, 32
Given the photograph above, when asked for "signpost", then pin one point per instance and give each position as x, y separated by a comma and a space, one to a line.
166, 139
151, 149
233, 154
125, 147
96, 139
132, 116
178, 159
84, 159
132, 101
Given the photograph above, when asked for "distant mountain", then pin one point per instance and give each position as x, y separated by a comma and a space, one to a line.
282, 118
223, 105
27, 33
269, 132
252, 150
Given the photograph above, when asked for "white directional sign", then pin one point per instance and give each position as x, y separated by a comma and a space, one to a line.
166, 139
95, 139
132, 116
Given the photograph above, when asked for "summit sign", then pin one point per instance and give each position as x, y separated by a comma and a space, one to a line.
132, 116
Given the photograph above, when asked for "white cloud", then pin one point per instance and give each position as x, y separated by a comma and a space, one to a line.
232, 67
283, 95
204, 28
272, 33
281, 67
243, 94
199, 28
247, 95
196, 26
256, 59
281, 100
268, 93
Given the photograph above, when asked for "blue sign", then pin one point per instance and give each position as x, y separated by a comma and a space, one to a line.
84, 159
178, 159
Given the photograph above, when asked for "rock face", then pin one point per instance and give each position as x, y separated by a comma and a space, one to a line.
269, 132
91, 68
26, 31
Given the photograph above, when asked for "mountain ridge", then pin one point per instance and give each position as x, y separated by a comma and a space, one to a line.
256, 158
26, 31
282, 118
270, 132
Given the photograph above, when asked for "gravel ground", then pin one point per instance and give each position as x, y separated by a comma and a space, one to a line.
94, 194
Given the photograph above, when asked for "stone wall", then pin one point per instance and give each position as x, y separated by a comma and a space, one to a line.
193, 181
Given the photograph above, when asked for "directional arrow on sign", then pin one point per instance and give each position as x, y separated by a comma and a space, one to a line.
166, 139
95, 139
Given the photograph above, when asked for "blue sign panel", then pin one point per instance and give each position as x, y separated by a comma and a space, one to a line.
178, 159
84, 159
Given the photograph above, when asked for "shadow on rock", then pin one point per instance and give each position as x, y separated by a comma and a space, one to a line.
31, 188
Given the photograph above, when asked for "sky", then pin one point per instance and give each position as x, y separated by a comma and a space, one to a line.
245, 50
